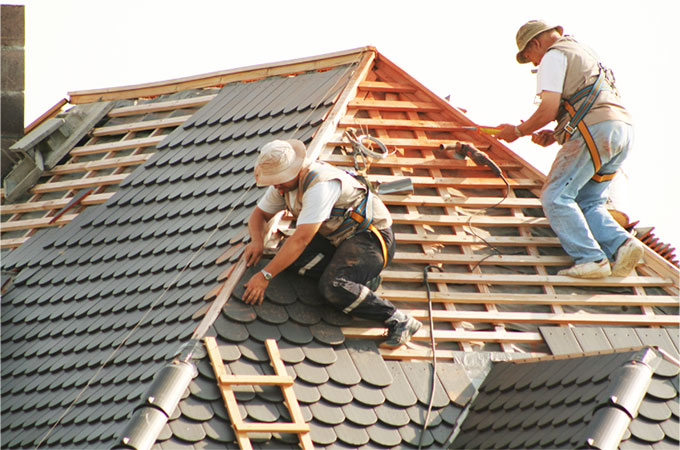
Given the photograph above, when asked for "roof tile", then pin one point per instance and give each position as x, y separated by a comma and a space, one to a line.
351, 434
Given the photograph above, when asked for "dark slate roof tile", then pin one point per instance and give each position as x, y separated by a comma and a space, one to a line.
327, 334
456, 382
416, 437
359, 414
294, 333
253, 351
384, 435
671, 429
320, 354
327, 413
656, 411
367, 395
399, 392
272, 314
343, 370
306, 392
646, 431
392, 415
303, 314
335, 393
415, 373
290, 353
262, 412
187, 431
219, 430
322, 434
351, 434
239, 311
661, 389
368, 362
262, 331
311, 372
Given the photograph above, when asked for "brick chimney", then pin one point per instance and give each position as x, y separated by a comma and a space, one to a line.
12, 80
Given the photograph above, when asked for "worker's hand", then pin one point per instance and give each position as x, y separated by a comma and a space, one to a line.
543, 138
507, 133
253, 253
255, 287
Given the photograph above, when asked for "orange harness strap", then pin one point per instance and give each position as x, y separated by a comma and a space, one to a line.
590, 143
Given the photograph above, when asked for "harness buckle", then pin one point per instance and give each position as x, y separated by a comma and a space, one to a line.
348, 211
569, 129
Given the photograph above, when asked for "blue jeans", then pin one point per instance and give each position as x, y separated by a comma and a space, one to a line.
575, 204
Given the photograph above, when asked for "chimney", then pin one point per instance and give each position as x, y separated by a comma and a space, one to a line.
12, 80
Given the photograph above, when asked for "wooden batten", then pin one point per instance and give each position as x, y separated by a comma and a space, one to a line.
218, 78
171, 105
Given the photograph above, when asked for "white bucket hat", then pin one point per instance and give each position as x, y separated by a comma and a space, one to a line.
279, 162
530, 30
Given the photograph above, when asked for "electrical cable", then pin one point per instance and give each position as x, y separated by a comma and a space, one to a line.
433, 344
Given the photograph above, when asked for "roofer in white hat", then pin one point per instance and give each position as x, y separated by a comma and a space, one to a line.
596, 134
343, 235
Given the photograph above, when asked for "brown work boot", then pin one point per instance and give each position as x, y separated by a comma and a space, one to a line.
595, 269
627, 257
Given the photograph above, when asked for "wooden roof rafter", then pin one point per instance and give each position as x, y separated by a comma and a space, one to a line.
413, 122
110, 153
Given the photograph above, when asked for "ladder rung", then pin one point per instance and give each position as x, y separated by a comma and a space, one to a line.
257, 380
275, 427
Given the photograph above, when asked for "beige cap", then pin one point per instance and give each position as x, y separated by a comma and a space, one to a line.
279, 162
530, 30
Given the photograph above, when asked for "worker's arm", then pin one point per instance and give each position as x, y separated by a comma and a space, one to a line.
290, 251
544, 114
256, 224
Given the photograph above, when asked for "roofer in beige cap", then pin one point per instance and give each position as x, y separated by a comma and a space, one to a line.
343, 235
596, 134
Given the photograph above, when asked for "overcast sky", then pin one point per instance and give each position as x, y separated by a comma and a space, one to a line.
463, 49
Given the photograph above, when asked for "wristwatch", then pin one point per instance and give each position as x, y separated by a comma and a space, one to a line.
518, 133
267, 275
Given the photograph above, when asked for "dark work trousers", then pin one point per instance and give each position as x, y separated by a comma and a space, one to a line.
343, 271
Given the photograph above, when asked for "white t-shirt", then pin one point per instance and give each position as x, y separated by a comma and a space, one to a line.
551, 72
317, 201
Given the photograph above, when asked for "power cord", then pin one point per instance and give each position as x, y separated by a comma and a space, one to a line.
433, 344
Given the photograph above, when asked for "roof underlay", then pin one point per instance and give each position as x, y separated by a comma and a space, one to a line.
109, 292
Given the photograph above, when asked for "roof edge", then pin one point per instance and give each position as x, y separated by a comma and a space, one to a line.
218, 78
580, 354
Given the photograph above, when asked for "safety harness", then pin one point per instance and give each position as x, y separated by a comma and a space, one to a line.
576, 120
361, 216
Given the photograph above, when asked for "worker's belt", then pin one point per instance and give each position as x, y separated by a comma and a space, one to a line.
362, 217
576, 122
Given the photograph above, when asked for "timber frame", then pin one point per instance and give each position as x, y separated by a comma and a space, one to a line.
498, 253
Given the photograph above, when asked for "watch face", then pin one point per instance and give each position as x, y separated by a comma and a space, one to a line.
267, 275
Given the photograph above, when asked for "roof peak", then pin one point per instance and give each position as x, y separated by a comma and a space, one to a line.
219, 78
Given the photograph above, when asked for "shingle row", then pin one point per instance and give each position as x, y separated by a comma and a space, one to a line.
348, 393
133, 273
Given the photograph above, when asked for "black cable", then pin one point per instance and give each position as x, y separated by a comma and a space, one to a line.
434, 356
494, 250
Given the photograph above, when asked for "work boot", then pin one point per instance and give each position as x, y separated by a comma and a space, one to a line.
399, 331
596, 269
374, 283
627, 257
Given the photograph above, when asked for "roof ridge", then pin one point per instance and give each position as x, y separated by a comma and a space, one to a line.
218, 78
581, 354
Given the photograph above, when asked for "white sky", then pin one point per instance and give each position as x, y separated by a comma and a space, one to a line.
465, 49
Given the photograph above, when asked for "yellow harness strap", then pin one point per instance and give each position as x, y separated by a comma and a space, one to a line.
359, 219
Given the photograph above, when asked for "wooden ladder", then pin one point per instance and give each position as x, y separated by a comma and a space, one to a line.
281, 378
